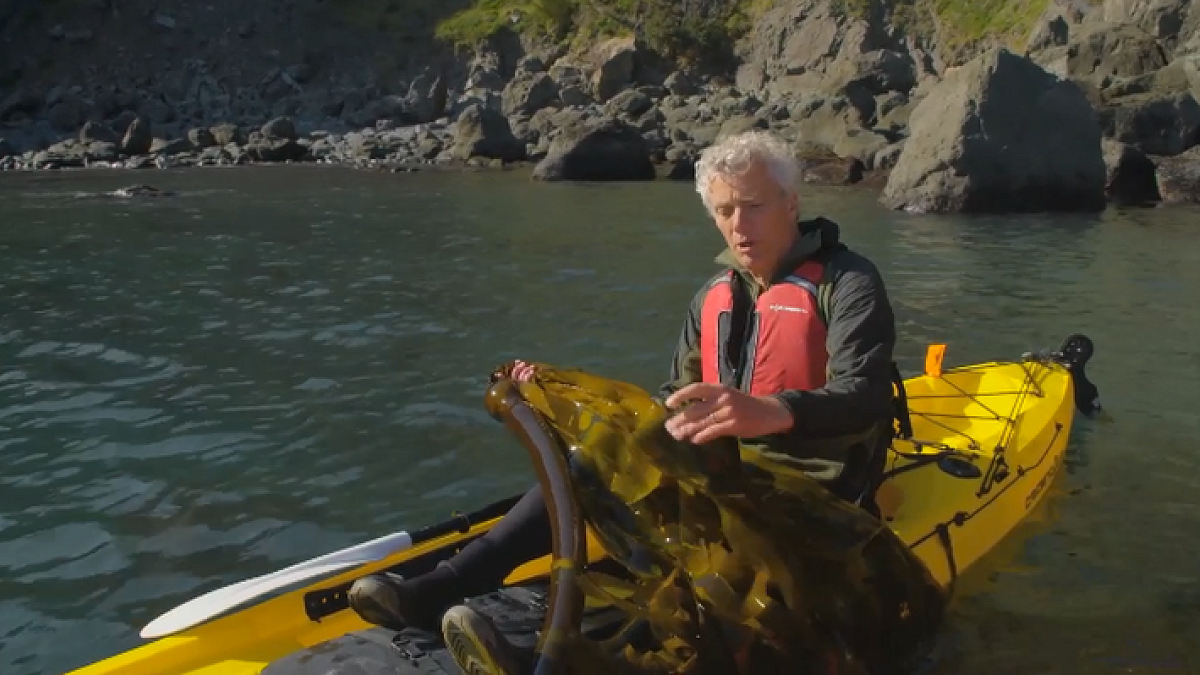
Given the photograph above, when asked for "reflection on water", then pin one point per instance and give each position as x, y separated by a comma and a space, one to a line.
277, 363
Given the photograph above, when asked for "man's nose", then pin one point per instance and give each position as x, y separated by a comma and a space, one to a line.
742, 221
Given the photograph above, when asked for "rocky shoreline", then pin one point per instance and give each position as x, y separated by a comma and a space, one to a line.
1101, 108
640, 132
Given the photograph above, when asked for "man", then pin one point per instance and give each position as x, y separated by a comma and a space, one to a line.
789, 348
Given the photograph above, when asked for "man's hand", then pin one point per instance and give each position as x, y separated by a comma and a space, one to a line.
522, 371
718, 410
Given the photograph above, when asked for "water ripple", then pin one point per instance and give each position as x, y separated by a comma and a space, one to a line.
283, 363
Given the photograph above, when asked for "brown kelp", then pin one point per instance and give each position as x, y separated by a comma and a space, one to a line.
736, 566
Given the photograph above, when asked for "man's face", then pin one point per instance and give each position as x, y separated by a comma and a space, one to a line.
756, 217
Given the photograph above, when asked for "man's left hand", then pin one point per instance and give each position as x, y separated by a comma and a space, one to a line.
718, 410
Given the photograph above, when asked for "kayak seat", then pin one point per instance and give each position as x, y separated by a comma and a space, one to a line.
517, 611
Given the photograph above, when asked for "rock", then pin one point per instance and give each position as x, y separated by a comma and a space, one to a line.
824, 169
201, 138
892, 112
426, 100
630, 103
679, 84
102, 151
121, 122
94, 131
1054, 27
796, 43
68, 113
268, 149
683, 167
600, 150
861, 144
6, 149
548, 122
886, 158
574, 94
1157, 124
137, 138
616, 63
156, 111
1131, 178
1000, 135
429, 147
1188, 42
1051, 32
280, 128
21, 101
365, 146
531, 63
1178, 177
484, 132
740, 124
170, 148
138, 191
528, 93
823, 123
567, 74
874, 73
1162, 19
1180, 76
649, 122
1102, 51
225, 134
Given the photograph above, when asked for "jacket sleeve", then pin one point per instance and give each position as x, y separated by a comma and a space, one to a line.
860, 340
685, 362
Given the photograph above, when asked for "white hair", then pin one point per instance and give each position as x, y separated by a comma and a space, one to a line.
733, 156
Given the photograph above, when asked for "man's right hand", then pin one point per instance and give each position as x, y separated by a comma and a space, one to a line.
522, 372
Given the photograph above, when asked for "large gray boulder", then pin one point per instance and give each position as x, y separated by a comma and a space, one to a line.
484, 132
605, 149
1000, 134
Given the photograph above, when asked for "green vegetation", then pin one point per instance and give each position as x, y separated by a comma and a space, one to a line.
958, 24
969, 21
678, 28
535, 17
686, 30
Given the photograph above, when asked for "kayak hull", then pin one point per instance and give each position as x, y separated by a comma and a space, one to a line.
986, 444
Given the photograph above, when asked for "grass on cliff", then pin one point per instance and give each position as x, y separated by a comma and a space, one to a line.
970, 21
958, 24
680, 28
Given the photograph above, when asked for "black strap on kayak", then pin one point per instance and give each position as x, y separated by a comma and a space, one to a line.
900, 403
943, 535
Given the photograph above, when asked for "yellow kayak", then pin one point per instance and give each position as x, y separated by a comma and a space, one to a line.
978, 448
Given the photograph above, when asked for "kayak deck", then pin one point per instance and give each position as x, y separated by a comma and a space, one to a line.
987, 441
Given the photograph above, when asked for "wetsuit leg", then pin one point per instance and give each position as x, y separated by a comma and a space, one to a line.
480, 567
523, 534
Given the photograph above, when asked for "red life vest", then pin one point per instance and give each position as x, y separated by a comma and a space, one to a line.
786, 344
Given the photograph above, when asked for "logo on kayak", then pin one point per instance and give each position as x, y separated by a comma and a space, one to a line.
1037, 490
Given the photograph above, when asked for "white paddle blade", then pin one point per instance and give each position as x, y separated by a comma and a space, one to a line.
219, 601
